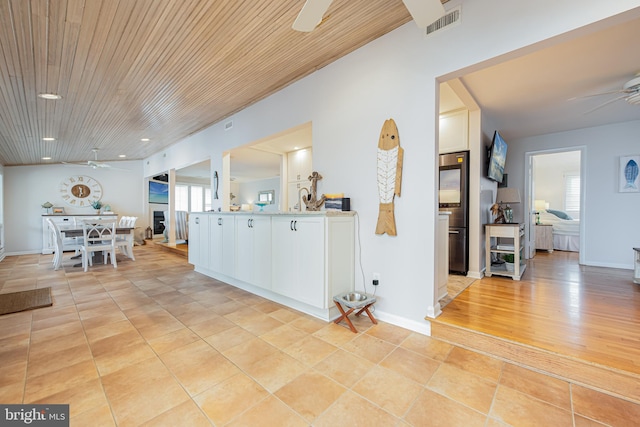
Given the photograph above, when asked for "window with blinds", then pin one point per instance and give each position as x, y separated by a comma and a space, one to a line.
572, 193
193, 198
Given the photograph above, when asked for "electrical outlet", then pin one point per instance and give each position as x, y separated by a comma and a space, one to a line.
376, 279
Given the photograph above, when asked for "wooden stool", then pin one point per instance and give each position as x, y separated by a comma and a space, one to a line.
354, 301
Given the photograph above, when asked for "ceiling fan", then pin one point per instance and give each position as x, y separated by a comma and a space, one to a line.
94, 164
630, 92
424, 12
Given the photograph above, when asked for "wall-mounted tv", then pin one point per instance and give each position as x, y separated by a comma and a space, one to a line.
158, 192
497, 158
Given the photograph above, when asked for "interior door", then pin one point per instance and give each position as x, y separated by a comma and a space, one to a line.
530, 240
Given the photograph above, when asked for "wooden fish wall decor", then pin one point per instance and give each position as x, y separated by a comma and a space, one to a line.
390, 156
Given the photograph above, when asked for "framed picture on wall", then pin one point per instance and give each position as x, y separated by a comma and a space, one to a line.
628, 179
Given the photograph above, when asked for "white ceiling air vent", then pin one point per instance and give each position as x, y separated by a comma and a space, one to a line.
228, 125
452, 17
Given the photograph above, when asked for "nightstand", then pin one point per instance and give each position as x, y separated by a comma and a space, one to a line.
544, 237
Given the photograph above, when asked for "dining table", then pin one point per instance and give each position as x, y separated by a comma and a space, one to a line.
79, 232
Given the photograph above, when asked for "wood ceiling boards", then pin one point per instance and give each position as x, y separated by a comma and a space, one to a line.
158, 69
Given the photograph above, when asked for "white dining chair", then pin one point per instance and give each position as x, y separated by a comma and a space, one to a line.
99, 236
124, 242
61, 244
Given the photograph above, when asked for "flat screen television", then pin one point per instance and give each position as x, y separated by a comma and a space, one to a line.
158, 192
497, 158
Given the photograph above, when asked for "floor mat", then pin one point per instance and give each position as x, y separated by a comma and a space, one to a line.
26, 300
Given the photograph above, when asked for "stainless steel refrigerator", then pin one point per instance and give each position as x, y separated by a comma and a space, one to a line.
453, 197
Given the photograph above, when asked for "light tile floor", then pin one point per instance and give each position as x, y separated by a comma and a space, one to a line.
154, 343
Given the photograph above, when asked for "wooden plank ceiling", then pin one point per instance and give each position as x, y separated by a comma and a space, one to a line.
157, 69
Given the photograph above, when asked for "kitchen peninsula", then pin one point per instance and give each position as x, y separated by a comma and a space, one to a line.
300, 260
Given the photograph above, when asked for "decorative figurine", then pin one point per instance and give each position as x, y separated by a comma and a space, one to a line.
498, 212
312, 202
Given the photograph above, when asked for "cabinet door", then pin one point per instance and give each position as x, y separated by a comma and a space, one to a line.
283, 249
222, 249
244, 249
261, 230
199, 240
228, 246
454, 131
309, 260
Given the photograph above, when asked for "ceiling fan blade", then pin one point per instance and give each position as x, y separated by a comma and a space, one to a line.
74, 164
311, 15
604, 104
95, 164
596, 94
424, 12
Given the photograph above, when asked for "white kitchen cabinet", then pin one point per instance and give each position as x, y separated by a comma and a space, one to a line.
298, 258
199, 240
222, 244
454, 131
442, 254
299, 165
253, 250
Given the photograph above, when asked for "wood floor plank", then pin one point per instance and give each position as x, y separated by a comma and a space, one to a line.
587, 314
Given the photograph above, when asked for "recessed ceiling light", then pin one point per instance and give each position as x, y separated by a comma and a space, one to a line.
46, 158
122, 155
145, 139
49, 96
48, 138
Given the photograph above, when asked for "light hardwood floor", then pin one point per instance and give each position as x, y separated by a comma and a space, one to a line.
154, 343
588, 315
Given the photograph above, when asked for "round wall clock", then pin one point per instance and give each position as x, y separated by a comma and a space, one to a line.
80, 190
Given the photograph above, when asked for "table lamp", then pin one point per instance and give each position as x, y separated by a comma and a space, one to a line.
540, 205
506, 196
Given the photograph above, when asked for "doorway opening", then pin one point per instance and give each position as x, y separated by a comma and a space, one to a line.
555, 201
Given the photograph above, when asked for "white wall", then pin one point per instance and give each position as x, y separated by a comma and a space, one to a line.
610, 218
395, 77
28, 187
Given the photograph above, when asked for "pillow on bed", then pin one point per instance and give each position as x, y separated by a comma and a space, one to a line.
559, 214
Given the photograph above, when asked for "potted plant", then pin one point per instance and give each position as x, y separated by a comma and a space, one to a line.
509, 261
47, 206
97, 205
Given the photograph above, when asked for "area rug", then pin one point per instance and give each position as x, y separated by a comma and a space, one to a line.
26, 300
455, 286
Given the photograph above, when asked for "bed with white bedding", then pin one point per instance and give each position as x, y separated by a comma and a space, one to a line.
566, 232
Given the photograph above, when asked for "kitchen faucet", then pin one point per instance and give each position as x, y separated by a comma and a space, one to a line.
300, 197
